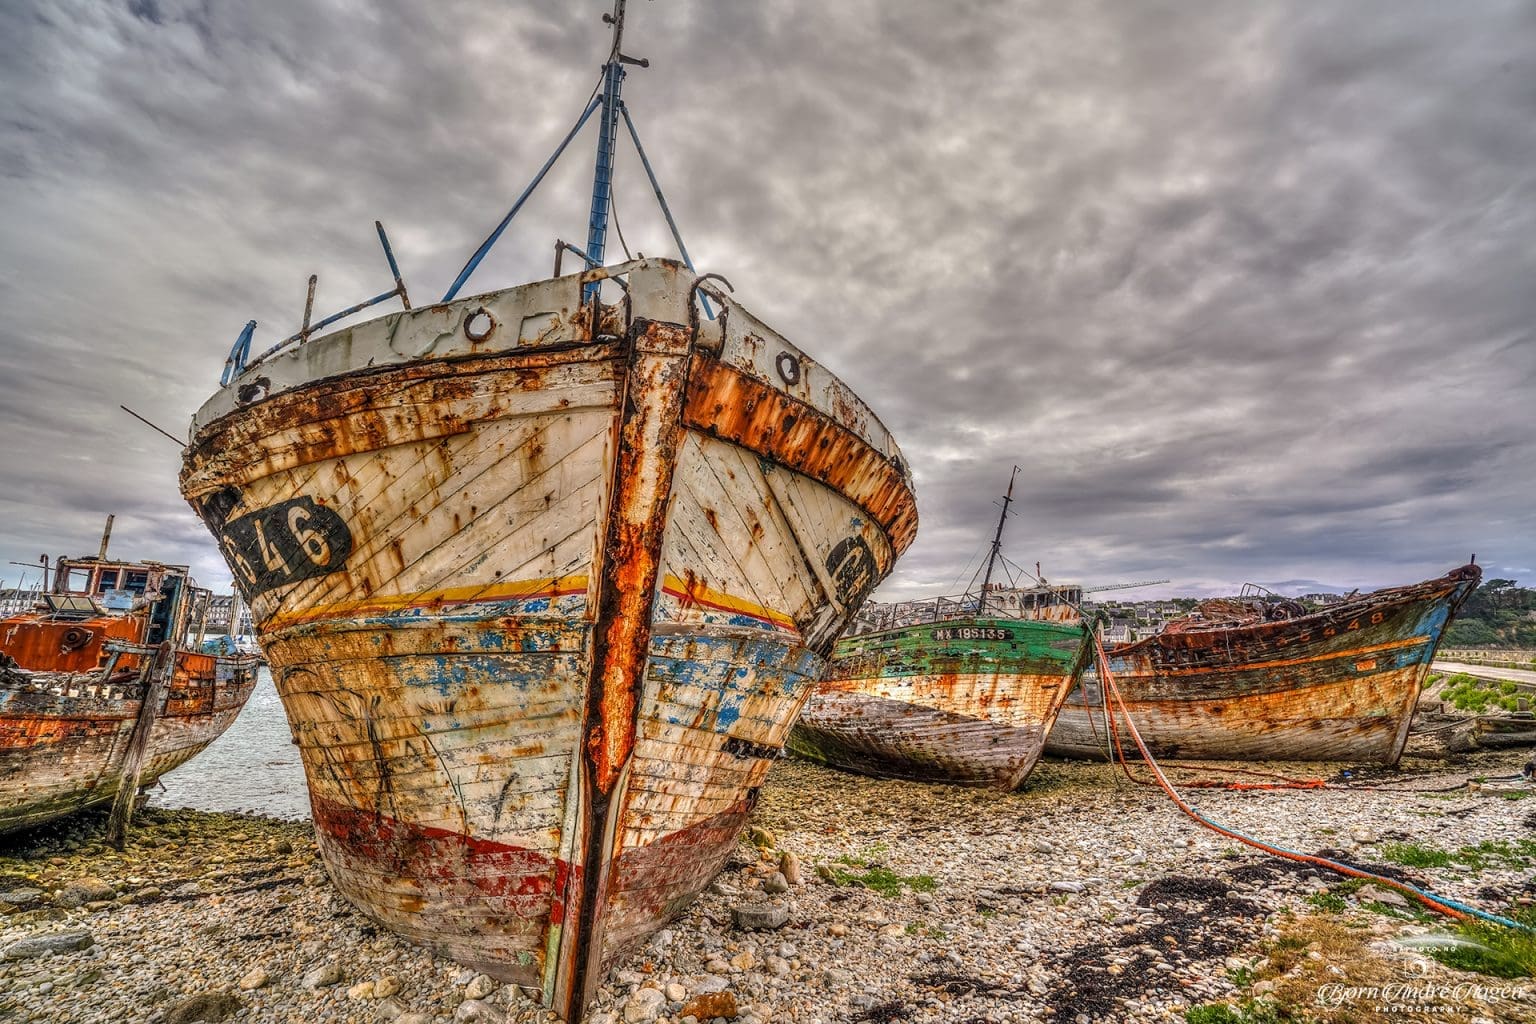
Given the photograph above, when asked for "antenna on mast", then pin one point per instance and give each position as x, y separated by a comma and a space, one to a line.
997, 544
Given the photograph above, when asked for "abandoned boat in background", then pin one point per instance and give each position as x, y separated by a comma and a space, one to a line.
1264, 678
73, 676
953, 690
543, 581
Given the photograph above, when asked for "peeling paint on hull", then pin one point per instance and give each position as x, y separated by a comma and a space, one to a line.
587, 586
1336, 685
905, 703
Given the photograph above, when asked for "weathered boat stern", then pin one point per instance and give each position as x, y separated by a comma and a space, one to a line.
63, 735
543, 582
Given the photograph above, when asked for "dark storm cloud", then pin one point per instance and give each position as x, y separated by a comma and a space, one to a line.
1243, 288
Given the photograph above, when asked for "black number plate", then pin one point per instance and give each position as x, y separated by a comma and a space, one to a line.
285, 543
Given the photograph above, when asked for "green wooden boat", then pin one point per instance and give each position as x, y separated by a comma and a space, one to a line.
959, 690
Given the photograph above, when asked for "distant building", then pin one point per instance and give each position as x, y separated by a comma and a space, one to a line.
218, 615
1120, 631
14, 601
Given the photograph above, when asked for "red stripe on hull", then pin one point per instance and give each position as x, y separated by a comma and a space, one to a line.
437, 872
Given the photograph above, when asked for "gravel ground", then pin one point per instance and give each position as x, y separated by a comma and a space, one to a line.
1082, 898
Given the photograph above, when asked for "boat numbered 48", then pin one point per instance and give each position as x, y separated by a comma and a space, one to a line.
544, 575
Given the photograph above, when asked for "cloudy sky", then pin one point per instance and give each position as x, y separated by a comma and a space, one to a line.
1247, 290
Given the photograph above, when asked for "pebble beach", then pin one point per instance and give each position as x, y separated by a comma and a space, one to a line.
1084, 897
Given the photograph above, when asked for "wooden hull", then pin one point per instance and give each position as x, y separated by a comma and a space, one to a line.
562, 603
63, 736
965, 701
1337, 685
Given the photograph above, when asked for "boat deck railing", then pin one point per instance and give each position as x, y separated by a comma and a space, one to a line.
78, 684
239, 356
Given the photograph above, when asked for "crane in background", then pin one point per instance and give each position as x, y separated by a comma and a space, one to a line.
1123, 586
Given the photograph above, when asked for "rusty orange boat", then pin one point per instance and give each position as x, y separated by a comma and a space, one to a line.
73, 674
543, 577
1264, 678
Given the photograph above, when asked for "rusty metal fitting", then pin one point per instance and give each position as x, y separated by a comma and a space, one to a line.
479, 325
788, 366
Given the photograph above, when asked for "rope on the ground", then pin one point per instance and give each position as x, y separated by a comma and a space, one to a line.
1440, 904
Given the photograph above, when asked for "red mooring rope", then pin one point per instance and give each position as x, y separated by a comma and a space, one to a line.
1440, 904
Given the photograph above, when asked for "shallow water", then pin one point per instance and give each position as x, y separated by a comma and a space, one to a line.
253, 767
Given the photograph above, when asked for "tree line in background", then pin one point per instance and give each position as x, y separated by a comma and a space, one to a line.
1498, 614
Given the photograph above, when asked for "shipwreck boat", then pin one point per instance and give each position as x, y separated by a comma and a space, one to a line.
543, 576
73, 676
1264, 678
959, 690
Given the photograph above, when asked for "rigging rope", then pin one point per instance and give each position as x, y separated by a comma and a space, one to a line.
613, 210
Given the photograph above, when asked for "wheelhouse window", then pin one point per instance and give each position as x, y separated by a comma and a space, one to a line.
71, 606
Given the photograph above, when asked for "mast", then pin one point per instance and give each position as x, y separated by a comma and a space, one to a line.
106, 536
997, 544
607, 136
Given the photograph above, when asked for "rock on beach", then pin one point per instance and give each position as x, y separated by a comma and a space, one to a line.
47, 944
1079, 895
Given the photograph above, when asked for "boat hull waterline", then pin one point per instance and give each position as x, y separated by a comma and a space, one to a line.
964, 701
1336, 685
542, 600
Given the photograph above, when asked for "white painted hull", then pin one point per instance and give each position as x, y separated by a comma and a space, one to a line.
587, 585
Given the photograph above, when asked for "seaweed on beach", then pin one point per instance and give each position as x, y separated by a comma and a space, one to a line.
962, 986
1396, 872
1199, 919
884, 1013
1270, 870
1176, 887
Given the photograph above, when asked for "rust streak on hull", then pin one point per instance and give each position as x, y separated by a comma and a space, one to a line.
740, 408
649, 437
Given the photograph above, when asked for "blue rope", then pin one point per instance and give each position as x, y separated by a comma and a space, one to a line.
1349, 869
